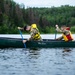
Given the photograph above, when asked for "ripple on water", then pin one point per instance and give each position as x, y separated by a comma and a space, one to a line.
48, 61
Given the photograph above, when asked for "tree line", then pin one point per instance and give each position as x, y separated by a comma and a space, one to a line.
13, 15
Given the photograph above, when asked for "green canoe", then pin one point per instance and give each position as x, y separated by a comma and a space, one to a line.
46, 43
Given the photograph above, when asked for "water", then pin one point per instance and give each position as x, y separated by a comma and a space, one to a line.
44, 36
44, 61
37, 62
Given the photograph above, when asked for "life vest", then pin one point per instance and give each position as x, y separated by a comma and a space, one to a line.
68, 37
37, 35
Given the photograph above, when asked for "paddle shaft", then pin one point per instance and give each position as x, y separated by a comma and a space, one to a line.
55, 34
22, 38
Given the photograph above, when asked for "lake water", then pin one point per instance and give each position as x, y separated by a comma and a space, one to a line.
44, 61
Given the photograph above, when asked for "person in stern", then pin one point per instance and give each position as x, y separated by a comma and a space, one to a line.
35, 34
66, 33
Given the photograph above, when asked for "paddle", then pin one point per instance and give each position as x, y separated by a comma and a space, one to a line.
22, 37
55, 34
56, 31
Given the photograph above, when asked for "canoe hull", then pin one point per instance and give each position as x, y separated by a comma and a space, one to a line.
17, 43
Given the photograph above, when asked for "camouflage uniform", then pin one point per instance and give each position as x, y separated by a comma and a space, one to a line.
35, 35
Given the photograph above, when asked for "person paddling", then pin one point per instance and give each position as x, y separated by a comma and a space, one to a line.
66, 33
35, 34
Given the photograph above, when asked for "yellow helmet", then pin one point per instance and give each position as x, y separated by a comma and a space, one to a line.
33, 26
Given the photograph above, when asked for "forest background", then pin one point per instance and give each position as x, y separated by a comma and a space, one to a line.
13, 15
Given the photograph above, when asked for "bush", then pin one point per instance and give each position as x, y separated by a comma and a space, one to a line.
73, 29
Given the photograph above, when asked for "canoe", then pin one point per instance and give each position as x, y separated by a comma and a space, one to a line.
46, 43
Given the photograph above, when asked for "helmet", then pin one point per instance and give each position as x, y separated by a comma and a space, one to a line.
33, 26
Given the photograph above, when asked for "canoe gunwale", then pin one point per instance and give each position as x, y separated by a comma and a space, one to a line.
46, 43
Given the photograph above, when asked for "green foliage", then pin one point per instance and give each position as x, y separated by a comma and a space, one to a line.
52, 30
14, 15
73, 29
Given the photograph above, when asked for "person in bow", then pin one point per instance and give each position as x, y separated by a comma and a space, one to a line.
34, 32
66, 33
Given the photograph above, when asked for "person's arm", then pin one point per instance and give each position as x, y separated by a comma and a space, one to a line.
29, 38
58, 29
20, 28
32, 33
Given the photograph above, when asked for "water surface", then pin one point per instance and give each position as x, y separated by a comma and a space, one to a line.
51, 61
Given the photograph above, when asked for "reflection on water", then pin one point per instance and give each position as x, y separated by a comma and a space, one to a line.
50, 61
67, 50
67, 53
